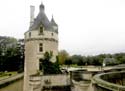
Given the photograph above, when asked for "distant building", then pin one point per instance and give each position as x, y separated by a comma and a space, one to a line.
41, 37
107, 61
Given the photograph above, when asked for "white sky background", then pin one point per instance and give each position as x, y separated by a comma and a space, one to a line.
86, 27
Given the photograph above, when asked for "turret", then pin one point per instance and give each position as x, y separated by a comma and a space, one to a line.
54, 25
41, 37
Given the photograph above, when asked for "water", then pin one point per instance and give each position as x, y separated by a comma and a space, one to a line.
83, 86
16, 86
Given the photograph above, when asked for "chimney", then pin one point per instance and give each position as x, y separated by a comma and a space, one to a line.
32, 9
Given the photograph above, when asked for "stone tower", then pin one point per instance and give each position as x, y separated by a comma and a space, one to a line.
41, 37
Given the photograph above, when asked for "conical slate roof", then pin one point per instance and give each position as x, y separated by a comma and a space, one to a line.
41, 19
53, 23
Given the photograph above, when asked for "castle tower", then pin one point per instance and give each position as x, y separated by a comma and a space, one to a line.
41, 37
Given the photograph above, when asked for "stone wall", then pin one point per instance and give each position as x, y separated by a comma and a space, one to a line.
46, 34
105, 81
49, 40
37, 83
81, 75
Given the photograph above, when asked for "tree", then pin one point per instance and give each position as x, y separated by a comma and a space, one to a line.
63, 56
78, 59
122, 60
11, 55
68, 61
96, 61
48, 67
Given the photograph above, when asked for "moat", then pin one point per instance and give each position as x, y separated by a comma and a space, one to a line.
16, 86
81, 80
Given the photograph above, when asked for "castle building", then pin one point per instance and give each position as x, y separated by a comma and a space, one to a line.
41, 37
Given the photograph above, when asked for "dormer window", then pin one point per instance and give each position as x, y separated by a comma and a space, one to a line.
41, 31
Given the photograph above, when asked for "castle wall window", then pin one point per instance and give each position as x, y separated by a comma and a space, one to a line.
40, 63
41, 31
51, 53
40, 47
52, 34
29, 34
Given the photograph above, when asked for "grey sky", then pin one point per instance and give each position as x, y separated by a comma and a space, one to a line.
86, 27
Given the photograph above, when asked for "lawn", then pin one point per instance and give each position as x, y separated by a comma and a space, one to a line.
4, 75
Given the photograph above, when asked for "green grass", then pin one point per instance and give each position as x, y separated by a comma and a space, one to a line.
4, 75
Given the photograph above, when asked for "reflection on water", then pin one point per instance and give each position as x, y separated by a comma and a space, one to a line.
16, 86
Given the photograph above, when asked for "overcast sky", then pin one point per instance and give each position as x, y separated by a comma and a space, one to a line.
86, 27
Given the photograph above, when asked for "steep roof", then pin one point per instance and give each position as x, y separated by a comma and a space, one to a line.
53, 23
41, 19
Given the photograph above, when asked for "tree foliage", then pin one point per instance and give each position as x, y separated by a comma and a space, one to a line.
48, 67
97, 60
63, 56
11, 55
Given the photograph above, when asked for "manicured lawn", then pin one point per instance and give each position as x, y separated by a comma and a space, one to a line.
4, 75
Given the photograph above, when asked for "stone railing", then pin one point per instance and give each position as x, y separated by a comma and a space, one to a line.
35, 82
102, 81
40, 81
81, 83
55, 80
